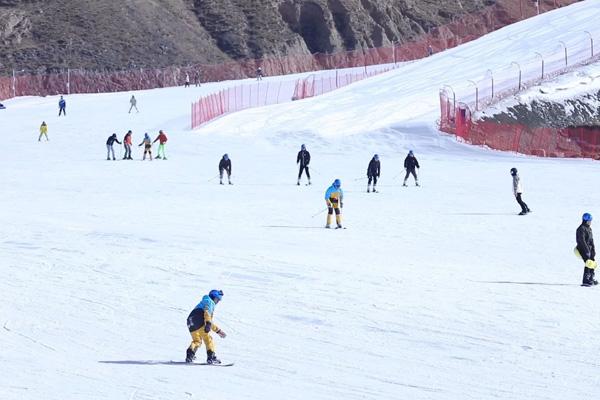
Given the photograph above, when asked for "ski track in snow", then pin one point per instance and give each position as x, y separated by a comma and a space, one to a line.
437, 292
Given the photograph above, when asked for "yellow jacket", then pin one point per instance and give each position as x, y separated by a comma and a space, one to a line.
44, 128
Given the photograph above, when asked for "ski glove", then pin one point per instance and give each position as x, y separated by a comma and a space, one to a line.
222, 334
591, 264
207, 326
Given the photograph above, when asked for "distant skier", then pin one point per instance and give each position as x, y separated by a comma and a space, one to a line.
62, 107
259, 74
133, 102
200, 324
187, 80
147, 142
43, 131
334, 198
518, 191
373, 172
411, 165
127, 142
197, 79
162, 139
586, 250
109, 146
303, 159
225, 165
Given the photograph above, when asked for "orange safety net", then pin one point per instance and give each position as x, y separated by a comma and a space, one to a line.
456, 119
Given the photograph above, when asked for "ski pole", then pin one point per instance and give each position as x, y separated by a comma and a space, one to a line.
213, 178
320, 212
359, 179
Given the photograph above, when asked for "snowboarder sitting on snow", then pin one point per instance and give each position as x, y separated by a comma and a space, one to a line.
162, 139
109, 146
518, 191
200, 323
373, 172
334, 197
147, 142
410, 164
127, 141
586, 250
225, 165
43, 131
62, 107
303, 159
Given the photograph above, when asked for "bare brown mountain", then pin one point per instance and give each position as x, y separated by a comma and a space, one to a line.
119, 34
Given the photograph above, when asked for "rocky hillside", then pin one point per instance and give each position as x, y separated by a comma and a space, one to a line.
116, 34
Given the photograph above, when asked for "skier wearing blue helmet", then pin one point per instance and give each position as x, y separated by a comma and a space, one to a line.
586, 249
200, 324
334, 198
373, 172
225, 165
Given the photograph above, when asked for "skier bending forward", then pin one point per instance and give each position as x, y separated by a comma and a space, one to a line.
334, 197
200, 324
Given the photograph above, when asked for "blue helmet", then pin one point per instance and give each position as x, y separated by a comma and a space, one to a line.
376, 157
587, 217
225, 157
337, 183
216, 294
410, 152
303, 147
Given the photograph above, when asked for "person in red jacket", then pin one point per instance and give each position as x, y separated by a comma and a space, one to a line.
161, 139
127, 144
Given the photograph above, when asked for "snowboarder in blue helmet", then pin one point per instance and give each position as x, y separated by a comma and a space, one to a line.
334, 198
586, 249
200, 324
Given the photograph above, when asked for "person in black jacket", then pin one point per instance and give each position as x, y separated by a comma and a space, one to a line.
225, 165
303, 159
373, 171
586, 250
109, 146
411, 164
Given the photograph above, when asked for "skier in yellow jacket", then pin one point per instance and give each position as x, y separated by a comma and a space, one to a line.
334, 198
43, 131
200, 324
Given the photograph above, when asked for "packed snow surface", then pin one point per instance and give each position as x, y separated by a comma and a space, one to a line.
433, 292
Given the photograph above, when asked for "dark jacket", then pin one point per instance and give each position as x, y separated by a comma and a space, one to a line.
225, 165
374, 168
303, 158
585, 242
410, 162
111, 139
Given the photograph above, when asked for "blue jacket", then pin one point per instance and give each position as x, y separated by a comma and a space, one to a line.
207, 304
62, 103
333, 192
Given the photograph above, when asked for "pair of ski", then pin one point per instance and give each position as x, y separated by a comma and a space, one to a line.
195, 363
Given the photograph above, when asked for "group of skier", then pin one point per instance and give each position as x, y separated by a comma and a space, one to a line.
127, 142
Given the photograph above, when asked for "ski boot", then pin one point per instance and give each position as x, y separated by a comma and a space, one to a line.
107, 158
368, 189
523, 213
374, 190
231, 183
190, 356
417, 184
309, 182
211, 358
298, 183
114, 159
158, 157
327, 226
339, 226
221, 182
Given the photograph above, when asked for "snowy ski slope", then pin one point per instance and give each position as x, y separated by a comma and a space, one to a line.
438, 292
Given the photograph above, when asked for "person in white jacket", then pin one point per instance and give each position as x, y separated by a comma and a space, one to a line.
518, 191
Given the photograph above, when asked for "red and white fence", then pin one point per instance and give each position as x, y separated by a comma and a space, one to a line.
264, 93
457, 109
